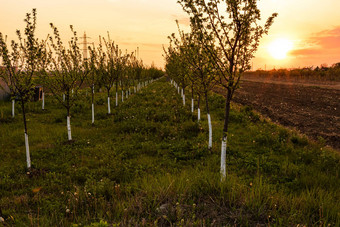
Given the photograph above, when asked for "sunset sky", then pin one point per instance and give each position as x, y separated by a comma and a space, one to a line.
310, 28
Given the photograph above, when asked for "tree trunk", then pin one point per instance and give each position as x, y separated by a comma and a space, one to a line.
93, 104
13, 108
198, 108
108, 102
183, 97
116, 94
28, 157
225, 136
209, 119
192, 99
43, 101
69, 134
122, 96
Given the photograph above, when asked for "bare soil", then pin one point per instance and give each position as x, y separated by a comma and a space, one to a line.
313, 110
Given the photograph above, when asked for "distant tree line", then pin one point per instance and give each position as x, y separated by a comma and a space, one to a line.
322, 73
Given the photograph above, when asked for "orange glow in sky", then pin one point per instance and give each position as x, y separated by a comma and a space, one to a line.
306, 32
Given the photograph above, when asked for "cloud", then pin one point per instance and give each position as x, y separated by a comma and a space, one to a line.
326, 42
305, 52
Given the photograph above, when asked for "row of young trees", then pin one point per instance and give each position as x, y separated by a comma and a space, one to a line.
63, 70
223, 39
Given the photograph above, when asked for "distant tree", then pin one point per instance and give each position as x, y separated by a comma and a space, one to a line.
235, 39
22, 63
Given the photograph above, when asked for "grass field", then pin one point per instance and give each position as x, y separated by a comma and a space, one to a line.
148, 164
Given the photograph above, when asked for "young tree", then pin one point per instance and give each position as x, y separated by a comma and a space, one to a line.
92, 78
235, 39
203, 74
21, 65
67, 72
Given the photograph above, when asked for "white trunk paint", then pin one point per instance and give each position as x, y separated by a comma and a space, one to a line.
28, 158
116, 98
43, 101
210, 132
63, 97
183, 99
108, 105
69, 128
92, 113
192, 105
178, 90
13, 105
122, 96
198, 114
223, 158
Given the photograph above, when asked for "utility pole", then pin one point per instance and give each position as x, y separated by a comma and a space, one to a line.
85, 44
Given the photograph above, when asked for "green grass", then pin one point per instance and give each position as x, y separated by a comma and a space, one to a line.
148, 164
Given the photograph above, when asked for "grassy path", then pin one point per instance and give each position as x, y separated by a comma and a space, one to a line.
148, 164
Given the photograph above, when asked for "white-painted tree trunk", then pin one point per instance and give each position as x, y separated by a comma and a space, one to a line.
69, 134
122, 96
63, 97
223, 158
108, 105
116, 98
178, 90
183, 99
28, 157
192, 105
210, 132
198, 114
43, 101
13, 109
92, 113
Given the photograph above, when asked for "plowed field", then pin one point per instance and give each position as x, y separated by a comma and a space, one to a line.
312, 110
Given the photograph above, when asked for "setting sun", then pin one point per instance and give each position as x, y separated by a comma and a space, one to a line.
279, 48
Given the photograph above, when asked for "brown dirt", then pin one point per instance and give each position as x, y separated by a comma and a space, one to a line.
312, 110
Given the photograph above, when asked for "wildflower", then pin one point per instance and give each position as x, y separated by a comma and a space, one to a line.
67, 210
